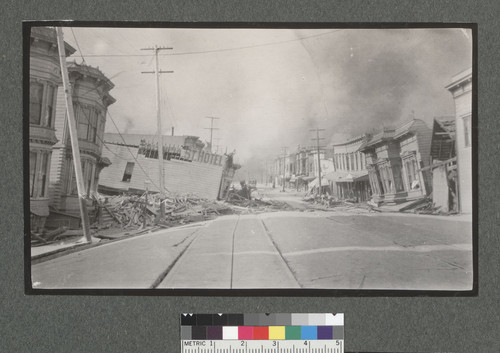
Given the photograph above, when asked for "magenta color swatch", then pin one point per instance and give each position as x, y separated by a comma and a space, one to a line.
245, 332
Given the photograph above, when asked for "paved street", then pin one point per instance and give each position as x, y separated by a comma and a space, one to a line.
335, 250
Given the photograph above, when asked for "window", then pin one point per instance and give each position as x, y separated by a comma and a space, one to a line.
88, 119
127, 175
39, 165
36, 96
33, 156
50, 105
467, 131
87, 174
43, 175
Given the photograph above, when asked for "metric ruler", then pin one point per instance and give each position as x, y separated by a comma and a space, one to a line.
262, 333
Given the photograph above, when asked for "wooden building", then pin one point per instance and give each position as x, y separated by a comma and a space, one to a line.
394, 158
443, 164
461, 89
45, 78
91, 99
187, 168
350, 179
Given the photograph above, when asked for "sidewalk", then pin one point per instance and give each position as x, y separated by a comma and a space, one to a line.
63, 244
71, 244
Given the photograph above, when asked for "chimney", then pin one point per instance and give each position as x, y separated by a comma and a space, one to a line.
172, 131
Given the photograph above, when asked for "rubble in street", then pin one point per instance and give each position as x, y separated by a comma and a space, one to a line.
134, 212
420, 206
138, 214
255, 204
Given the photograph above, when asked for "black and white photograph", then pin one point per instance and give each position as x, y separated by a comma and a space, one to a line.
250, 157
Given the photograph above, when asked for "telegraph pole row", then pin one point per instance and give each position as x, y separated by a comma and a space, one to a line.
319, 159
157, 73
211, 128
284, 168
68, 94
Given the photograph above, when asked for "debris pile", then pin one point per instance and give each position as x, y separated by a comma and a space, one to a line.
139, 212
324, 201
427, 206
255, 204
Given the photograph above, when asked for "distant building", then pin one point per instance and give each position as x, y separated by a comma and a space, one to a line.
461, 89
298, 168
394, 159
45, 78
91, 99
350, 179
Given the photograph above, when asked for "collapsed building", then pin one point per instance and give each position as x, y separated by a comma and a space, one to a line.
188, 167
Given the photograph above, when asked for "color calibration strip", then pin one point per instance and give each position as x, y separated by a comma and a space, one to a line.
256, 333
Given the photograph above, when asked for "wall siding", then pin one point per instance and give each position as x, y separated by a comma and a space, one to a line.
463, 106
201, 179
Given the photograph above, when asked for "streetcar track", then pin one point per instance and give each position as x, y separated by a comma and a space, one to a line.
268, 233
165, 273
232, 252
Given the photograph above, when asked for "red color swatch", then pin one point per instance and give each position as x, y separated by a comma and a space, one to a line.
245, 332
261, 333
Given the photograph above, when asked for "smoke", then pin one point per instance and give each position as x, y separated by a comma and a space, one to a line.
128, 124
377, 91
369, 79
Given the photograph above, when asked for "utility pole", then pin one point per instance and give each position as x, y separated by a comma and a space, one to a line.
211, 128
284, 168
217, 146
319, 159
266, 174
157, 73
68, 94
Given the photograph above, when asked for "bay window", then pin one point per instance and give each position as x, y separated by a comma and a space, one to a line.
36, 99
42, 103
39, 173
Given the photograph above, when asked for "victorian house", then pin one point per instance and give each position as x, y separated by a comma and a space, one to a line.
44, 80
395, 158
91, 99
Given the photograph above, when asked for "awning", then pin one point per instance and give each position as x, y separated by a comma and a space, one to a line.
334, 176
315, 182
349, 177
308, 178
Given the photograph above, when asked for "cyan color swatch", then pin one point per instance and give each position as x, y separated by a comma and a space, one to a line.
309, 332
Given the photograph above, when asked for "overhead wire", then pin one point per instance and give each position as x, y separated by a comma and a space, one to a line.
222, 49
77, 45
119, 133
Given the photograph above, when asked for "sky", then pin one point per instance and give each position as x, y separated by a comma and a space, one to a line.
270, 87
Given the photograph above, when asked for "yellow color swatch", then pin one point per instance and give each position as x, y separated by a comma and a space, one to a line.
276, 332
